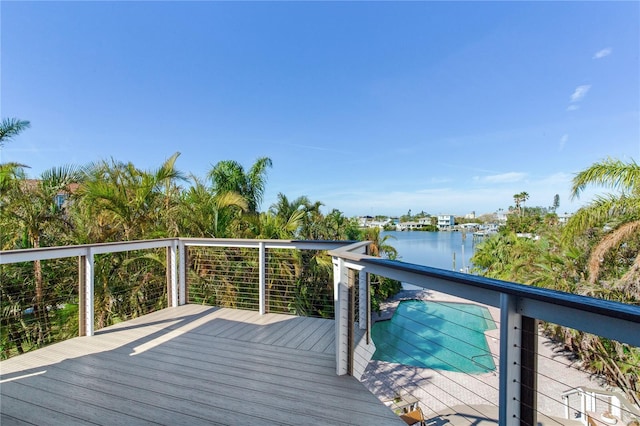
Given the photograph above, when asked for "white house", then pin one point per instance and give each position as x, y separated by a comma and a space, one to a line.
446, 222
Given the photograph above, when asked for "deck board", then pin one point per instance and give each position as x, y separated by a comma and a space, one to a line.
190, 365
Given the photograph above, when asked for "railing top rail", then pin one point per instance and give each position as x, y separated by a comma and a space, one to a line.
44, 253
268, 243
608, 308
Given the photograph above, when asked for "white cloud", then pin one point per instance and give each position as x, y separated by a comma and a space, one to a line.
572, 107
602, 53
503, 178
563, 141
580, 92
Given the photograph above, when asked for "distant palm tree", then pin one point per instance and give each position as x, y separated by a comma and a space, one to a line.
524, 197
519, 199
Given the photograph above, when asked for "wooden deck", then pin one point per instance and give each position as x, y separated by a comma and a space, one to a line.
190, 365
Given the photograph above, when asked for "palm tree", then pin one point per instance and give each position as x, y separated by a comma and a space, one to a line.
117, 201
229, 176
618, 212
31, 217
10, 174
520, 199
202, 213
556, 202
131, 201
609, 229
517, 200
524, 196
379, 246
10, 128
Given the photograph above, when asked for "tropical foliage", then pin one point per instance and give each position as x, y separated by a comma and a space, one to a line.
596, 253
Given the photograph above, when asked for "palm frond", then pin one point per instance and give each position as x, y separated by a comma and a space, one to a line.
609, 173
600, 213
10, 128
611, 240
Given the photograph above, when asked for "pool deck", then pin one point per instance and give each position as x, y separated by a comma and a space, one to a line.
443, 393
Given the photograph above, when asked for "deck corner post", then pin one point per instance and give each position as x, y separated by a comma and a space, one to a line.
89, 305
172, 272
363, 299
262, 277
82, 288
341, 309
182, 275
510, 343
529, 371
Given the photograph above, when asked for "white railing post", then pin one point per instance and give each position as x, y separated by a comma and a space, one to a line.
509, 399
173, 273
363, 300
341, 306
262, 278
89, 292
182, 276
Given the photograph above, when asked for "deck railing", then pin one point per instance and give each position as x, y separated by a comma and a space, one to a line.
520, 310
101, 284
260, 277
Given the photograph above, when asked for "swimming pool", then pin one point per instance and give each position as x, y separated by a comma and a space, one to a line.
437, 335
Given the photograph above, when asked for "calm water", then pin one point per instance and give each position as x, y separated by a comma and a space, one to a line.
433, 249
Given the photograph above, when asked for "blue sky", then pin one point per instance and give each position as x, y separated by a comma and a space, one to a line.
370, 108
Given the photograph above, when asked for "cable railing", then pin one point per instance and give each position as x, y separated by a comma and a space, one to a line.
55, 293
496, 350
537, 334
269, 276
39, 304
294, 281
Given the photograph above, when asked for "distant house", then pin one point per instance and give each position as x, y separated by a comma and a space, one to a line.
446, 222
564, 218
409, 226
60, 199
469, 226
369, 222
502, 216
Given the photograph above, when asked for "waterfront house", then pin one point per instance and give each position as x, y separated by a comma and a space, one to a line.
446, 222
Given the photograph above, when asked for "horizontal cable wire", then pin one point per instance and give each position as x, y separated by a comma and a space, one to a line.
413, 320
573, 365
454, 368
432, 395
443, 361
